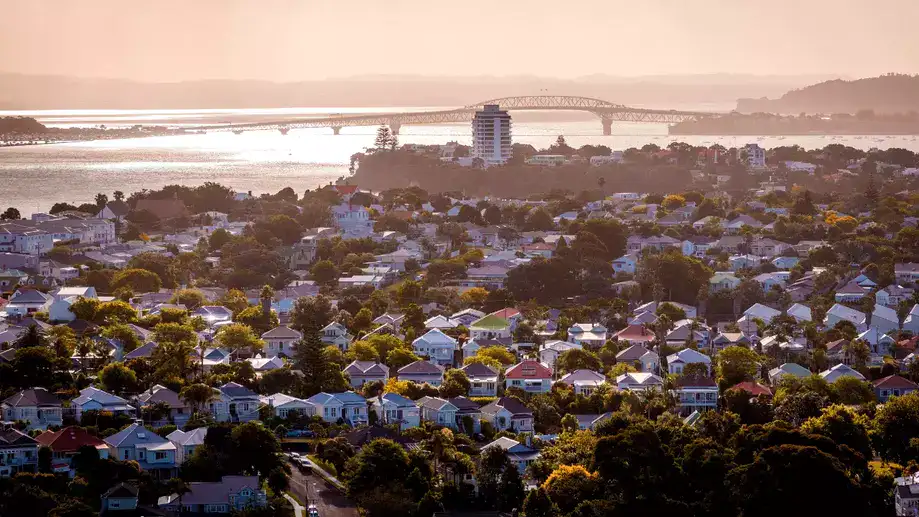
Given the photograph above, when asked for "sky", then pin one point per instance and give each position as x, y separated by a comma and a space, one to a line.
294, 40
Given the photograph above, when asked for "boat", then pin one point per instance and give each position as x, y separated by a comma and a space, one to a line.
284, 130
237, 131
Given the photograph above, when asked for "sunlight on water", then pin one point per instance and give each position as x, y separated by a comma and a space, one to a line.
35, 177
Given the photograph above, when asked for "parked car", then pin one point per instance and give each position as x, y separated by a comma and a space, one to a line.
299, 433
312, 511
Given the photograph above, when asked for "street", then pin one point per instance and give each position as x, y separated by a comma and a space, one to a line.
312, 489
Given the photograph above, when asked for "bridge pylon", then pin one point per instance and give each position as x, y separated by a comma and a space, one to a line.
336, 130
395, 127
607, 126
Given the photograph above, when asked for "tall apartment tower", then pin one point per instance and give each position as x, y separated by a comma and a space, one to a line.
491, 135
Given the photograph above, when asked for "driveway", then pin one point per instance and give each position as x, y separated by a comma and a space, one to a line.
311, 489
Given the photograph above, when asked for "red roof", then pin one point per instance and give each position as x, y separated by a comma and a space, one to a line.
635, 332
346, 189
909, 344
895, 381
754, 388
506, 313
528, 369
69, 439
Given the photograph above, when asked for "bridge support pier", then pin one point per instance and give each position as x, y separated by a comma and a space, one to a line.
607, 126
335, 130
395, 127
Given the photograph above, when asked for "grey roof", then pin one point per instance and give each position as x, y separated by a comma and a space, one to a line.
476, 370
366, 368
235, 390
134, 434
421, 367
213, 492
463, 404
159, 393
13, 437
33, 397
514, 406
102, 397
435, 403
282, 332
31, 296
193, 437
632, 353
145, 350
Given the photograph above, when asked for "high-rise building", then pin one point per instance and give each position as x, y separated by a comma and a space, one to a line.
491, 135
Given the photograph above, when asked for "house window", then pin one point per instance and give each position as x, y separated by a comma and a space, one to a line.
159, 456
114, 504
125, 454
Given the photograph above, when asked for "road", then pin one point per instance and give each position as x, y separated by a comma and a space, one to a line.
311, 489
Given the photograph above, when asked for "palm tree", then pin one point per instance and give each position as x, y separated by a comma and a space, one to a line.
265, 297
156, 411
202, 348
84, 347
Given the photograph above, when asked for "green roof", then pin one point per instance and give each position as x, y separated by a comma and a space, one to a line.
491, 322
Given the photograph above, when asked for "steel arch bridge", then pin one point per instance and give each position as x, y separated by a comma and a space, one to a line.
607, 112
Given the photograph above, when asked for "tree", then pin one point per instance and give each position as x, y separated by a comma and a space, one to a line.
324, 272
174, 333
138, 280
896, 426
285, 228
784, 475
380, 479
161, 264
673, 201
474, 297
569, 485
256, 451
34, 366
311, 314
399, 357
10, 214
455, 384
736, 364
538, 504
577, 359
255, 317
844, 426
569, 423
672, 311
114, 312
198, 396
118, 378
238, 337
45, 455
385, 140
310, 359
852, 391
539, 220
190, 298
498, 353
363, 351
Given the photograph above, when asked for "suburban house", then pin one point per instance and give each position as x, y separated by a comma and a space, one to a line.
282, 405
584, 382
95, 399
28, 301
522, 456
676, 362
893, 386
530, 376
336, 334
507, 413
437, 410
422, 372
760, 311
348, 406
792, 369
483, 380
696, 393
18, 452
280, 341
839, 371
726, 339
626, 264
911, 322
754, 389
187, 442
151, 451
550, 350
466, 317
179, 411
214, 315
38, 407
361, 372
392, 408
436, 346
490, 327
801, 313
587, 334
229, 495
467, 408
440, 322
635, 335
235, 403
639, 356
66, 443
884, 319
839, 312
639, 381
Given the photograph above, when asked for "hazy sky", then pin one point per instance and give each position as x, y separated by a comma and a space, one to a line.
287, 40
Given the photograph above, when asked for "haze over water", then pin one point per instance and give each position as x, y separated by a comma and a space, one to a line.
36, 177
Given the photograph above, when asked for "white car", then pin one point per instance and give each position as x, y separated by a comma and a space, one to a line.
312, 511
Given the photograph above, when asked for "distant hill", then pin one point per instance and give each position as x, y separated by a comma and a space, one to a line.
892, 93
25, 92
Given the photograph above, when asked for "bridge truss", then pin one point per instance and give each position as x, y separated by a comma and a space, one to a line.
606, 111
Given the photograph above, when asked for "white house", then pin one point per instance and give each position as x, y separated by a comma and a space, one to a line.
584, 382
792, 369
530, 376
95, 399
361, 372
281, 405
392, 408
422, 372
507, 413
490, 327
336, 334
151, 451
437, 346
353, 221
647, 360
186, 443
676, 362
550, 350
760, 311
884, 319
280, 341
438, 411
801, 313
626, 264
483, 380
348, 406
520, 455
28, 301
234, 403
639, 381
839, 312
839, 371
696, 393
38, 407
587, 334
